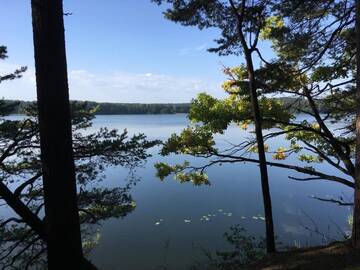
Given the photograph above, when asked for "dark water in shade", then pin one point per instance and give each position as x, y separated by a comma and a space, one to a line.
137, 242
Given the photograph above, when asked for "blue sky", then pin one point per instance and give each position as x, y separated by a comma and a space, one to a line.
117, 51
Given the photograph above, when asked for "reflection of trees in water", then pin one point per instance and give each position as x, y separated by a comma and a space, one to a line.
22, 248
244, 249
100, 204
94, 151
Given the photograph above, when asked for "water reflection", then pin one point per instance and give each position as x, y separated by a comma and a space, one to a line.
193, 217
22, 230
21, 248
149, 224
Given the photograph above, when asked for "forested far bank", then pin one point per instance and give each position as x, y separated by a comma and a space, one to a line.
107, 108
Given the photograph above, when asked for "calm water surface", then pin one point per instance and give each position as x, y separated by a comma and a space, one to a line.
138, 242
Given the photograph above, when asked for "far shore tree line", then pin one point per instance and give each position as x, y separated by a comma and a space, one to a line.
108, 108
47, 163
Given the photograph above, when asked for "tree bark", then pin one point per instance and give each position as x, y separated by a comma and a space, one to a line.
62, 225
270, 238
269, 224
356, 215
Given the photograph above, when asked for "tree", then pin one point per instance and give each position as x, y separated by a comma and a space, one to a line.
23, 239
356, 215
21, 244
326, 51
315, 63
61, 210
23, 235
241, 23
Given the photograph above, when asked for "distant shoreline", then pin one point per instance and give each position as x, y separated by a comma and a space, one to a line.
170, 113
108, 108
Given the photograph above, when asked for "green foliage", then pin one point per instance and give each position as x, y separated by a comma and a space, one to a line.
94, 151
218, 14
164, 170
328, 73
341, 104
314, 70
196, 140
254, 148
272, 25
279, 76
211, 116
245, 249
195, 177
7, 107
280, 154
310, 158
215, 114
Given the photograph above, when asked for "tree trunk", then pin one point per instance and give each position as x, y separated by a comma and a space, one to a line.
270, 238
356, 216
64, 245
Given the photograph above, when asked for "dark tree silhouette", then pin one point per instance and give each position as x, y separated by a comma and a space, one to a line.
62, 224
356, 216
23, 236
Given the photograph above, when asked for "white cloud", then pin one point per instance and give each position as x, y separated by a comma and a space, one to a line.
201, 47
130, 87
23, 88
115, 87
186, 51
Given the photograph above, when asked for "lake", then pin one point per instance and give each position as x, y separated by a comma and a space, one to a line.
167, 227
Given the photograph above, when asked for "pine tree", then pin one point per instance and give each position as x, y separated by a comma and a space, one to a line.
239, 21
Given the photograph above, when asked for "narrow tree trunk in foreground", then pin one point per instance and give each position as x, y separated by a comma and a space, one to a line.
356, 216
62, 218
269, 224
270, 238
